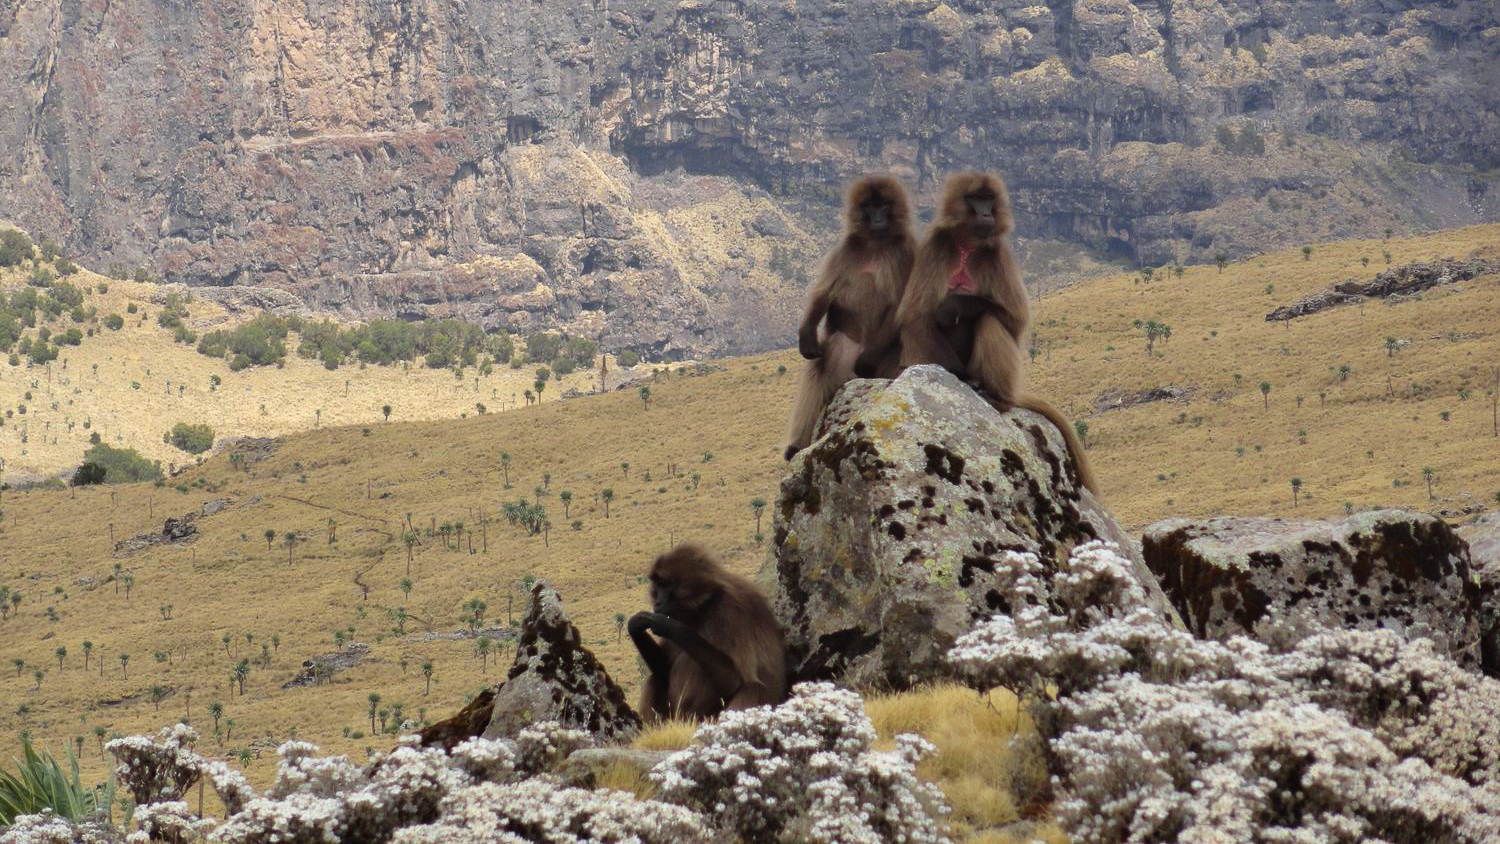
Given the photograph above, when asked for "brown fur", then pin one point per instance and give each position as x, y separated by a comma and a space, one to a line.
728, 612
994, 359
857, 291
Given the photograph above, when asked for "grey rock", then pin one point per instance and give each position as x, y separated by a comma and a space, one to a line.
1276, 580
1393, 285
1483, 536
1115, 399
180, 530
555, 678
890, 526
214, 505
321, 669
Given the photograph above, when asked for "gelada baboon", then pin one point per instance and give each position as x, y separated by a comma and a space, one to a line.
964, 306
716, 644
857, 292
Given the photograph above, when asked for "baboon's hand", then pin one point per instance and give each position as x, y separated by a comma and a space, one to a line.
639, 623
807, 345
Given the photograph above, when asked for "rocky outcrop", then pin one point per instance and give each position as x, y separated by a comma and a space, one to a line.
891, 529
321, 669
173, 531
1117, 399
584, 164
555, 678
1393, 284
1279, 580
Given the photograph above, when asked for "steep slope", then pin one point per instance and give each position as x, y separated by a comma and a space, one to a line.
512, 160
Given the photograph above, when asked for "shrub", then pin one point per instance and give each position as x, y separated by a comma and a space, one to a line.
114, 322
194, 439
40, 784
14, 248
88, 474
1336, 736
628, 358
122, 465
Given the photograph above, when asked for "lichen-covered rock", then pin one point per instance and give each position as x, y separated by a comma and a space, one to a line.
1279, 580
1483, 536
889, 529
555, 678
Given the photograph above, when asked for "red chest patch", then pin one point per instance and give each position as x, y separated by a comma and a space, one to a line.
961, 280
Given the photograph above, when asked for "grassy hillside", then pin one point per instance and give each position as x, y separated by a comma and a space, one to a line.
698, 454
132, 384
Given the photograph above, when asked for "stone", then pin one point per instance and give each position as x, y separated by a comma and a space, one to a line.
1398, 284
555, 678
176, 530
890, 527
321, 669
1483, 536
214, 505
1117, 399
1276, 580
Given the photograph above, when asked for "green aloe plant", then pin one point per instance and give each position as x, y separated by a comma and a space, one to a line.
39, 782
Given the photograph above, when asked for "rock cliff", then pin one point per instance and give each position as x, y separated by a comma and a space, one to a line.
621, 168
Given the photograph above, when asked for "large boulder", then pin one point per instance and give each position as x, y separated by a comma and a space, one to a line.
891, 528
1278, 580
553, 678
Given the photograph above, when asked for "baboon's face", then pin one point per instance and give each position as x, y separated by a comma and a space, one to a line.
877, 214
981, 205
674, 595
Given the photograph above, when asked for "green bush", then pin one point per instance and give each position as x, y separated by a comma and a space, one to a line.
65, 294
628, 358
194, 439
114, 322
88, 474
122, 465
14, 248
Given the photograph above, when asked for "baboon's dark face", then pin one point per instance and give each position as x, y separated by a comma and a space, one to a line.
877, 214
679, 598
981, 205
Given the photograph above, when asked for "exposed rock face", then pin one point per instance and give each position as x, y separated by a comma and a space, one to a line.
555, 678
1277, 580
1116, 399
322, 668
515, 163
1397, 283
889, 529
172, 531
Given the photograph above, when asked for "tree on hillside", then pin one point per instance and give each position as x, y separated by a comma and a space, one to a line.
241, 673
125, 665
1391, 346
566, 497
1082, 429
88, 648
1296, 488
410, 538
646, 396
427, 673
62, 654
374, 699
757, 506
1307, 253
405, 587
38, 674
1345, 371
290, 538
1428, 473
386, 409
1221, 260
158, 694
270, 536
540, 385
619, 625
608, 495
505, 464
216, 711
482, 647
625, 470
1265, 393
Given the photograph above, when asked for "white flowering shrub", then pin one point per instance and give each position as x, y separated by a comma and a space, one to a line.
805, 771
1344, 736
540, 811
541, 747
158, 770
47, 828
171, 822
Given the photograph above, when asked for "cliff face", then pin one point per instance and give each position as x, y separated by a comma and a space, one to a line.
624, 168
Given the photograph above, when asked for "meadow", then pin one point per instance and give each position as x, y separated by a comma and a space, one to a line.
641, 475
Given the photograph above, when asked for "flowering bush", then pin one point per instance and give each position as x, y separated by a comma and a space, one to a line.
47, 828
805, 771
1345, 736
159, 770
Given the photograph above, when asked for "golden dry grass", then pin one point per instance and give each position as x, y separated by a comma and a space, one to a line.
134, 384
724, 428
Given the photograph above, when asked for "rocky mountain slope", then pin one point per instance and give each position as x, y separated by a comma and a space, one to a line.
623, 168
